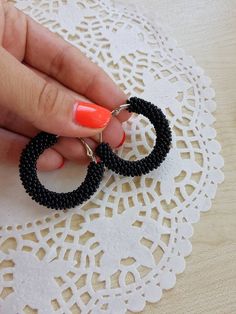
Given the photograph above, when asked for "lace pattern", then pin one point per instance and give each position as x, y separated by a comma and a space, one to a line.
126, 245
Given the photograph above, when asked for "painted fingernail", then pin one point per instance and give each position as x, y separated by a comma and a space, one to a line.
91, 115
62, 164
122, 141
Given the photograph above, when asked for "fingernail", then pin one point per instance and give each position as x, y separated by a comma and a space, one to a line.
122, 141
91, 115
62, 164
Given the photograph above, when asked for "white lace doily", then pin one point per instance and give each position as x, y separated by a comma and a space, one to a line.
126, 245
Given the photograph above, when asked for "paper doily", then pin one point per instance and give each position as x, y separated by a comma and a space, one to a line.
126, 245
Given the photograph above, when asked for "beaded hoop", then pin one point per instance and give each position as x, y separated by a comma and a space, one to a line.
45, 197
160, 149
42, 141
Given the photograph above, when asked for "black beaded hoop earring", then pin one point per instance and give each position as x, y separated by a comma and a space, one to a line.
160, 149
45, 197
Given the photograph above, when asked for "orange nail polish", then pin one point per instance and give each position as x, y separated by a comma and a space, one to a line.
122, 141
91, 115
62, 164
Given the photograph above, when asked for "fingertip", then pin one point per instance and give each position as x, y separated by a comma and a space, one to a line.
121, 99
72, 149
114, 134
122, 140
124, 116
62, 164
50, 160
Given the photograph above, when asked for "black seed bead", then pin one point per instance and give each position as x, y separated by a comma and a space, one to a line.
160, 149
45, 197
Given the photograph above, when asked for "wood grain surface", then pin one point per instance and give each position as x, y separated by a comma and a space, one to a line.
206, 29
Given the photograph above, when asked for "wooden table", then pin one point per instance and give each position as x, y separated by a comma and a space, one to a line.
206, 29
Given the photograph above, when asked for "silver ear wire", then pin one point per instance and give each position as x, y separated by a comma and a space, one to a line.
100, 138
89, 150
116, 111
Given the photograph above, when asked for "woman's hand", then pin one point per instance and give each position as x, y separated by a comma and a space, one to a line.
41, 80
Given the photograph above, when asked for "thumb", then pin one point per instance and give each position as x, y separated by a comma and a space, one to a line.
45, 105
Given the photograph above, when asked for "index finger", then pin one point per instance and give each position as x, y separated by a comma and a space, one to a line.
52, 55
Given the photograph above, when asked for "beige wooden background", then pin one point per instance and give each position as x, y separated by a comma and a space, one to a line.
206, 29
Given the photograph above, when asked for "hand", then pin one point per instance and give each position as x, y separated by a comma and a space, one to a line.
41, 79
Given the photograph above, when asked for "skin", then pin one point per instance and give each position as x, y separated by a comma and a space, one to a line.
41, 76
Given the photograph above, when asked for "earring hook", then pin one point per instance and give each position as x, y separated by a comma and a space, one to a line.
89, 150
116, 111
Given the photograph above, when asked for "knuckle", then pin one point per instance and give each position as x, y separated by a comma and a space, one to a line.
92, 81
10, 151
48, 100
7, 118
59, 61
